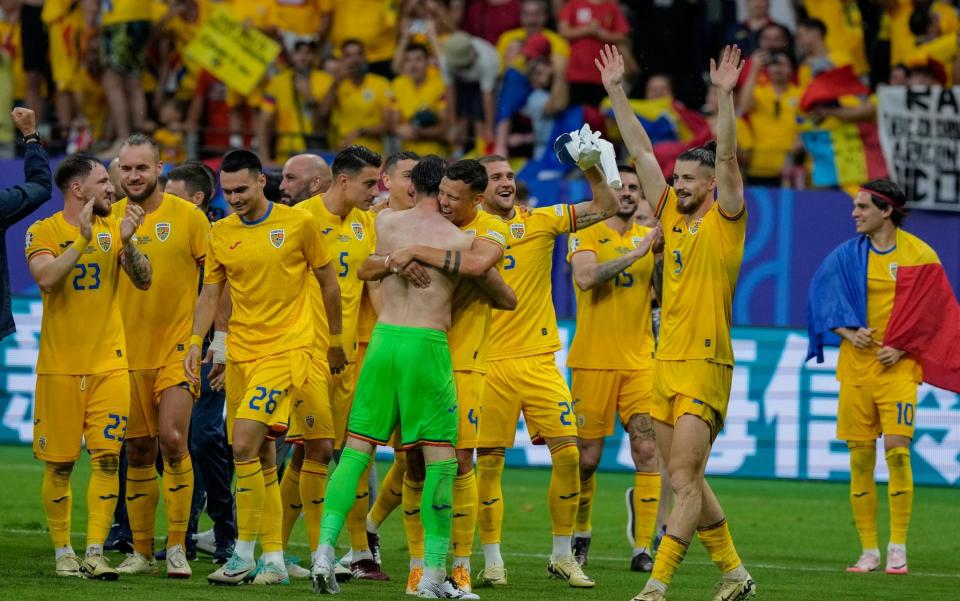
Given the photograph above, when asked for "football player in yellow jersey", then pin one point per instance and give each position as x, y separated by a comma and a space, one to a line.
83, 391
878, 384
266, 252
613, 365
693, 372
347, 226
303, 176
157, 325
522, 374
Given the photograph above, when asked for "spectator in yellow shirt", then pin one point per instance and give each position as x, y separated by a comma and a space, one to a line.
771, 109
817, 57
372, 22
533, 20
419, 115
845, 33
298, 21
361, 101
291, 110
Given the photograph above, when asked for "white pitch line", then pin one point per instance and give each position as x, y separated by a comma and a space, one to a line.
760, 566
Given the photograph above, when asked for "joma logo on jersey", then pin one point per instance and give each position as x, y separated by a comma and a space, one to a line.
105, 241
327, 230
357, 230
517, 230
277, 237
163, 231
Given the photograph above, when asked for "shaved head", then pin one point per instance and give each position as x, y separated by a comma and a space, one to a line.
304, 175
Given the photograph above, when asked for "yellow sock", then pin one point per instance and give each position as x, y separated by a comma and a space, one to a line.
290, 498
719, 545
313, 487
585, 504
250, 495
177, 496
564, 493
669, 556
464, 514
142, 495
102, 494
863, 491
900, 493
271, 520
490, 495
391, 491
412, 494
57, 503
646, 501
357, 518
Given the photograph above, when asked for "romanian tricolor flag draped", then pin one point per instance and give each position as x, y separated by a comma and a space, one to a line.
925, 321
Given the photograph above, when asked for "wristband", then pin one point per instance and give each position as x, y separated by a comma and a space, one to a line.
80, 244
196, 340
336, 339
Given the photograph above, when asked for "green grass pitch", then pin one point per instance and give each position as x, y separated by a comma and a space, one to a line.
794, 537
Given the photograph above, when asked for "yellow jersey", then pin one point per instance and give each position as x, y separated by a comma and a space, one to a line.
294, 115
362, 106
113, 12
558, 46
775, 117
844, 29
701, 262
366, 319
614, 320
267, 263
158, 321
469, 335
350, 240
410, 100
860, 366
81, 331
373, 22
11, 46
532, 328
301, 17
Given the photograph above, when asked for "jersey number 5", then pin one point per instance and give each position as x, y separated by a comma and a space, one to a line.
343, 263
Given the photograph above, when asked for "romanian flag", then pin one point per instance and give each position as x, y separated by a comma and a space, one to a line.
925, 321
842, 153
672, 127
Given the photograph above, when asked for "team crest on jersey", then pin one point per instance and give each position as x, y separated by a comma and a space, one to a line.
357, 229
163, 231
42, 443
310, 419
28, 240
105, 241
277, 237
517, 230
893, 270
636, 241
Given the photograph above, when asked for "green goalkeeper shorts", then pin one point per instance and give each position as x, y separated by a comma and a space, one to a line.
406, 376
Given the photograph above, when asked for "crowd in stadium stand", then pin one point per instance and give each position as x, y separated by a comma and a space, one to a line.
466, 77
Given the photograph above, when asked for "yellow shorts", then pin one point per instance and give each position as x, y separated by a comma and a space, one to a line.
469, 397
529, 384
696, 387
600, 394
267, 389
865, 412
146, 385
340, 397
67, 409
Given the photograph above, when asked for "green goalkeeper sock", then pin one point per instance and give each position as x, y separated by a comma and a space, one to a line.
341, 493
436, 512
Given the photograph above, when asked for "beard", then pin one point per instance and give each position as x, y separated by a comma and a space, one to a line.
100, 211
689, 204
147, 192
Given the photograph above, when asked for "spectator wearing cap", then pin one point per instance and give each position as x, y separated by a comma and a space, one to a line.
533, 20
489, 19
361, 101
772, 109
470, 68
420, 115
588, 25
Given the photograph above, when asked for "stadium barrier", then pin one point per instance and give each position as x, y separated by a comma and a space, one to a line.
780, 424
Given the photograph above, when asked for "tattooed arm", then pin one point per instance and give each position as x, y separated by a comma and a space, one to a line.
588, 273
603, 205
136, 265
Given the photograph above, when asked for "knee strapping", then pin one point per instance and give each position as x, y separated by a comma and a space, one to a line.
107, 462
863, 457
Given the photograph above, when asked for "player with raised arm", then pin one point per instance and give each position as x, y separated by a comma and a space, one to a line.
407, 379
157, 324
693, 372
83, 390
522, 374
346, 222
266, 252
612, 363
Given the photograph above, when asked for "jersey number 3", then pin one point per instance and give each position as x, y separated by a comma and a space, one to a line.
678, 261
